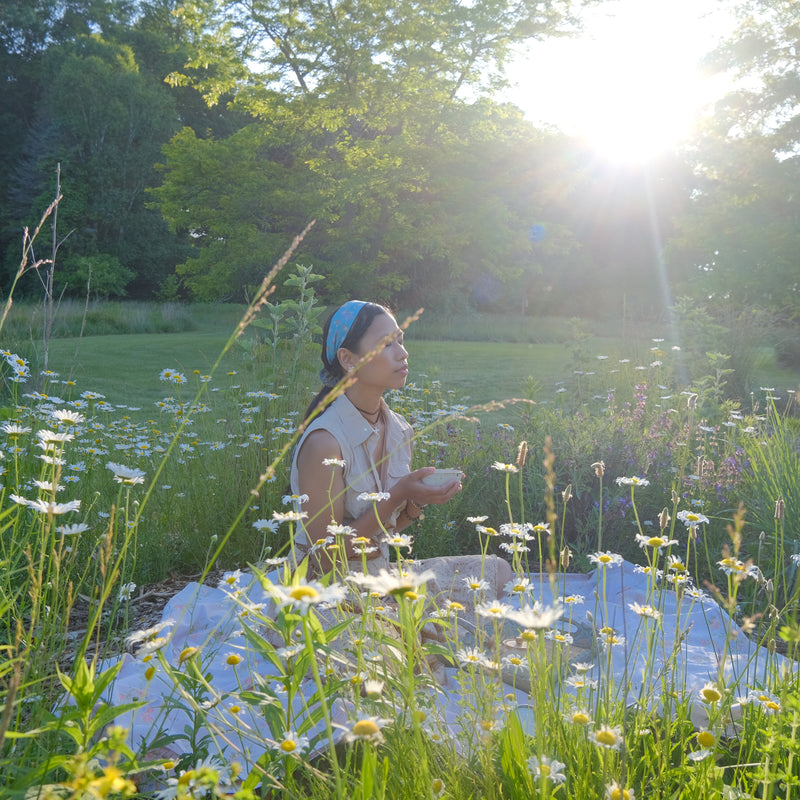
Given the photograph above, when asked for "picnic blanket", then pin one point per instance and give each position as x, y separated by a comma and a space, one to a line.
700, 644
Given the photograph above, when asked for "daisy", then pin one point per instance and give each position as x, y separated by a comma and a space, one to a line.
288, 516
399, 540
634, 481
691, 519
578, 717
493, 610
70, 417
547, 768
732, 566
573, 599
127, 475
558, 636
46, 507
341, 530
294, 498
501, 467
518, 585
517, 530
303, 595
391, 583
656, 542
14, 430
148, 634
374, 497
538, 617
645, 611
580, 682
471, 656
608, 737
267, 524
606, 559
616, 792
710, 693
476, 584
514, 547
72, 530
366, 729
51, 437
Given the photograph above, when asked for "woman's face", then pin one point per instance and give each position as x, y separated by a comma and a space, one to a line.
387, 367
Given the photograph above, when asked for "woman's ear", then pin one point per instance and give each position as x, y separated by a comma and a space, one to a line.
347, 358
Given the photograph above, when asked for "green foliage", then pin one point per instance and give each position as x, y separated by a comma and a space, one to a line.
101, 275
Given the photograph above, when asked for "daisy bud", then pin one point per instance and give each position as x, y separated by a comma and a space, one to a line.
567, 493
599, 468
522, 454
691, 402
664, 518
566, 557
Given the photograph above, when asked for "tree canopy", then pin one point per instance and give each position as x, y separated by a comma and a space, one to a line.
197, 138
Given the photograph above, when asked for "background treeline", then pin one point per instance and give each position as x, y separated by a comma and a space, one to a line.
195, 139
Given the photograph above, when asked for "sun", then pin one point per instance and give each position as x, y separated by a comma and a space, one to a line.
631, 87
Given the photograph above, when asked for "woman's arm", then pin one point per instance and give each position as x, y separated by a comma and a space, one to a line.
325, 486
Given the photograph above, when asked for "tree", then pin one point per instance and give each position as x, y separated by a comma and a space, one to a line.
363, 114
741, 237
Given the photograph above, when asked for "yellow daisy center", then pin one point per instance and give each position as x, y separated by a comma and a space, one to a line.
288, 746
579, 718
711, 695
705, 739
607, 738
365, 727
303, 593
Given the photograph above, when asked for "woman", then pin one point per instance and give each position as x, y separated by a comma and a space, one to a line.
358, 446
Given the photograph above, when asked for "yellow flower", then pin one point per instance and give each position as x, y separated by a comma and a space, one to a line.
187, 653
616, 792
710, 693
705, 739
607, 737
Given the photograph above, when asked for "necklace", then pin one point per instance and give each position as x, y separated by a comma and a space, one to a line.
368, 414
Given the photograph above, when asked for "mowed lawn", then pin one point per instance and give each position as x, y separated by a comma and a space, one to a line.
126, 367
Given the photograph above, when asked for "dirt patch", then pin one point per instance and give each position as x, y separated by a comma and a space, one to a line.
143, 610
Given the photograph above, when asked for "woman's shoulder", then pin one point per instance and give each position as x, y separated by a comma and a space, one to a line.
319, 444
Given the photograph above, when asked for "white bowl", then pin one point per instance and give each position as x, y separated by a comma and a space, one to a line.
442, 477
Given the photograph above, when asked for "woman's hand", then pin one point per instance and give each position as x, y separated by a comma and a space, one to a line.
411, 487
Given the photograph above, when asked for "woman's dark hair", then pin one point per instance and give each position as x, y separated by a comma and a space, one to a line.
332, 370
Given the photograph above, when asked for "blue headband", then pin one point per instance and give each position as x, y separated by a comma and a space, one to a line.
340, 325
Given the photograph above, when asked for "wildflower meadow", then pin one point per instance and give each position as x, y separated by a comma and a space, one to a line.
646, 646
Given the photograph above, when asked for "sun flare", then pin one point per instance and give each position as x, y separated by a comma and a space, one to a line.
631, 87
